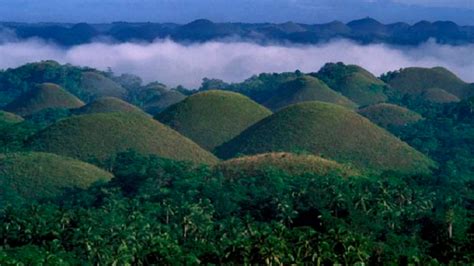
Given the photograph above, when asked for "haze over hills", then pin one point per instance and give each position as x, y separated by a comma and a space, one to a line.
366, 30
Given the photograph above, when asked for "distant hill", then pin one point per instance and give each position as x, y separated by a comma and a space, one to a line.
390, 115
303, 89
366, 30
213, 117
7, 118
100, 136
155, 97
98, 85
415, 80
44, 96
107, 105
437, 95
354, 82
30, 176
290, 163
332, 132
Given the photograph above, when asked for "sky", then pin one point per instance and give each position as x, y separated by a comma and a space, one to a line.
182, 11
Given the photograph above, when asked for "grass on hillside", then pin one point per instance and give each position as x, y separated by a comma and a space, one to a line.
100, 136
329, 131
354, 82
44, 96
213, 117
33, 175
294, 164
108, 105
303, 89
387, 115
7, 119
98, 85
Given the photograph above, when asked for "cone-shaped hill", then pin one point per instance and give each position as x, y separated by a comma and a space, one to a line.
213, 117
97, 85
415, 80
390, 115
290, 163
437, 95
303, 89
108, 105
163, 101
100, 136
34, 175
332, 132
354, 82
7, 118
44, 96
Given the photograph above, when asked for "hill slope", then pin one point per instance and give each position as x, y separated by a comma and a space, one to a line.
97, 85
100, 136
437, 95
29, 176
330, 131
44, 96
354, 82
387, 115
107, 105
7, 118
415, 80
213, 117
287, 162
305, 88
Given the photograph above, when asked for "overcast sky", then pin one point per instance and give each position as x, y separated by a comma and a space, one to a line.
181, 11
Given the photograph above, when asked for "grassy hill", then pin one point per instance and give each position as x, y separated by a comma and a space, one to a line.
437, 95
387, 115
163, 101
44, 96
213, 117
98, 85
7, 118
354, 82
332, 132
305, 88
33, 175
415, 80
290, 163
100, 136
108, 105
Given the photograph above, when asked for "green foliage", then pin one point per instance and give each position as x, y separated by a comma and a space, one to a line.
32, 176
303, 89
390, 115
100, 136
157, 211
44, 96
354, 82
332, 132
213, 117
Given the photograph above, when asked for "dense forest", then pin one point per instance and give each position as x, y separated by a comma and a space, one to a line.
334, 167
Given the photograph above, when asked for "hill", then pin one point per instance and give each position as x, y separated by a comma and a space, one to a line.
7, 118
290, 163
97, 85
33, 175
44, 96
107, 105
100, 136
388, 115
415, 80
213, 117
305, 88
437, 95
332, 132
354, 82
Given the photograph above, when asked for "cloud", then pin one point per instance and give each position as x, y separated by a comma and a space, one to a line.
173, 63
